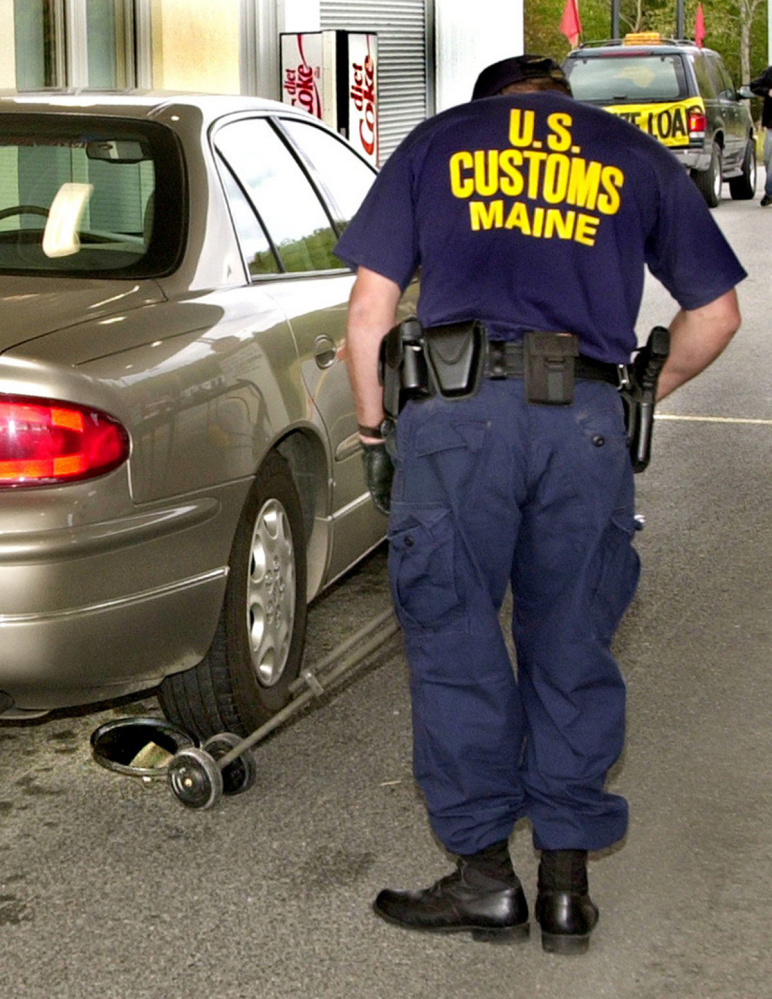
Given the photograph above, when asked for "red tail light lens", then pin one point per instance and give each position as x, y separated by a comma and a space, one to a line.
697, 121
45, 443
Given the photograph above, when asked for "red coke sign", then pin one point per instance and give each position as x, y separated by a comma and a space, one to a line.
301, 71
363, 94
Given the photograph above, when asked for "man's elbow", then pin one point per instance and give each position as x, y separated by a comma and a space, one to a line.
721, 319
372, 292
732, 316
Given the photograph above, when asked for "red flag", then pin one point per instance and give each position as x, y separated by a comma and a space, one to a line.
570, 25
699, 27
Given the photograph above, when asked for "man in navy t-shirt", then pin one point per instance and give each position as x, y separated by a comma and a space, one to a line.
526, 211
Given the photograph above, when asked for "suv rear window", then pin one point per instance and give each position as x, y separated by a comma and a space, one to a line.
89, 197
628, 79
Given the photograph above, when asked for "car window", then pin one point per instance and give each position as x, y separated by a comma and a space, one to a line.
281, 193
254, 242
620, 79
704, 80
345, 176
80, 196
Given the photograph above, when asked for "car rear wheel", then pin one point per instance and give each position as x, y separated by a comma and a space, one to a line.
709, 181
743, 188
258, 646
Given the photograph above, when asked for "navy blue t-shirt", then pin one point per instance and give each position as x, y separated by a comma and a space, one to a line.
534, 211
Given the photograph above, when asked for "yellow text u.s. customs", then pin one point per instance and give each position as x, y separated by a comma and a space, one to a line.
543, 188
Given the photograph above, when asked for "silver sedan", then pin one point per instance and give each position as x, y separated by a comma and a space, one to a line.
179, 465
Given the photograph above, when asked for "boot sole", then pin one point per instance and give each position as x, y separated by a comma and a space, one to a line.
565, 943
482, 934
511, 934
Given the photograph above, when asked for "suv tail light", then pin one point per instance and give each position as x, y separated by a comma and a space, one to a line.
47, 443
697, 122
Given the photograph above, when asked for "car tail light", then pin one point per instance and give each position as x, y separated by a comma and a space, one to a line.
45, 443
697, 122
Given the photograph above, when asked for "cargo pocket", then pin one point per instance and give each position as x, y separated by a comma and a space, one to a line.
422, 568
617, 571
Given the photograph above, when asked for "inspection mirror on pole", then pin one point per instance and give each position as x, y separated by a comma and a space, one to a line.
198, 776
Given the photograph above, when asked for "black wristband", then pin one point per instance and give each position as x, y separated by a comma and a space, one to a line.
380, 432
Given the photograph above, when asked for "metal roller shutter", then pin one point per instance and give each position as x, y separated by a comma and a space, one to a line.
401, 26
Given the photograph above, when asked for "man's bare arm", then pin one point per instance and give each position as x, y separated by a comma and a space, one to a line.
372, 313
697, 337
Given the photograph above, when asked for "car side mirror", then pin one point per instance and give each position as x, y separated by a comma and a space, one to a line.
745, 91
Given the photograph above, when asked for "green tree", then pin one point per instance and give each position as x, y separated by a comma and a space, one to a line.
737, 29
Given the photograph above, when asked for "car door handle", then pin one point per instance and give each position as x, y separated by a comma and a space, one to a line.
325, 351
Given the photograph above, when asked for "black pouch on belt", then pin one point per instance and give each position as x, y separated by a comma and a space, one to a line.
549, 367
455, 354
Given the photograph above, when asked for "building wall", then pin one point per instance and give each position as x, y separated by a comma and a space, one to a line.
298, 15
196, 45
467, 42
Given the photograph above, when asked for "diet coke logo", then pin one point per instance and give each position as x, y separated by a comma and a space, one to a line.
300, 85
363, 99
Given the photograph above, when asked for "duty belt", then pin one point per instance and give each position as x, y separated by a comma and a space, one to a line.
505, 360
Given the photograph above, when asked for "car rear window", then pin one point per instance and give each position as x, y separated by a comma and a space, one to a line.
627, 79
89, 196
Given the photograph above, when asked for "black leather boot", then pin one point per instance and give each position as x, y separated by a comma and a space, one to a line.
477, 898
564, 909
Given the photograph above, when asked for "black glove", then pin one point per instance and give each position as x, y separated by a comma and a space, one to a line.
379, 472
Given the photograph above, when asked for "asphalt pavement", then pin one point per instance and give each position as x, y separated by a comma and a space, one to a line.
111, 889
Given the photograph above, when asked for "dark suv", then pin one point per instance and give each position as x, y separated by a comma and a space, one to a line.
680, 94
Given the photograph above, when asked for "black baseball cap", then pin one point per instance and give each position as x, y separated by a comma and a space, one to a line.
494, 78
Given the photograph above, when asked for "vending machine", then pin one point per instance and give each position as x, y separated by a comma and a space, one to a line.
334, 76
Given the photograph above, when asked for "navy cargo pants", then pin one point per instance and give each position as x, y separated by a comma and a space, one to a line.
491, 491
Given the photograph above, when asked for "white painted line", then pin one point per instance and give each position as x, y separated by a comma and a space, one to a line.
712, 419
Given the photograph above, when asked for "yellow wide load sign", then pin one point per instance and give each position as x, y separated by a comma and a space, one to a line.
667, 122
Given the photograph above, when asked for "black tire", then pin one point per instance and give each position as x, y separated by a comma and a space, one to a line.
743, 188
709, 181
258, 646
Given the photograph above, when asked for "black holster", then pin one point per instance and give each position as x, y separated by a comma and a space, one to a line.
402, 366
639, 395
416, 363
